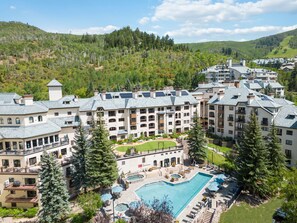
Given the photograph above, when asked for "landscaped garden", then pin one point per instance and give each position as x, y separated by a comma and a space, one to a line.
222, 149
148, 146
244, 213
215, 158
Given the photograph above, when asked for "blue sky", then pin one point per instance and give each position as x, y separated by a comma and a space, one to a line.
182, 20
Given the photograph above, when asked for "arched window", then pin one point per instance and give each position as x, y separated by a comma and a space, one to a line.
112, 128
1, 121
142, 125
178, 122
152, 125
39, 118
151, 118
17, 121
31, 119
9, 121
113, 137
143, 118
112, 120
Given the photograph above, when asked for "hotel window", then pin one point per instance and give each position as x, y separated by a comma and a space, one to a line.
143, 160
16, 163
133, 127
5, 163
31, 193
151, 110
45, 139
14, 145
121, 111
89, 113
122, 128
56, 114
169, 116
123, 162
112, 128
31, 119
34, 142
30, 181
143, 125
51, 139
142, 111
17, 121
9, 121
111, 113
1, 121
28, 144
230, 132
112, 120
21, 145
289, 132
40, 118
64, 151
1, 145
186, 107
289, 142
56, 138
170, 123
288, 154
32, 161
231, 108
121, 119
69, 113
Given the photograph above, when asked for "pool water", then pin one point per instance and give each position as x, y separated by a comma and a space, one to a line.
179, 194
121, 207
175, 176
135, 177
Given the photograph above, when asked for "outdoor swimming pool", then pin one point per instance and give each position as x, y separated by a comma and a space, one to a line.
180, 194
134, 178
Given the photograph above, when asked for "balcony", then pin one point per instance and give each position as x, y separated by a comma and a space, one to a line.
11, 199
35, 149
241, 111
230, 119
21, 187
171, 111
241, 120
264, 123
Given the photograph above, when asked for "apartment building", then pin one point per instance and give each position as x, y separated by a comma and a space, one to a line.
28, 127
229, 111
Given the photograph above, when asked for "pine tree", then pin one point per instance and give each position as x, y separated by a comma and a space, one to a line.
276, 156
101, 164
79, 159
251, 163
54, 195
197, 141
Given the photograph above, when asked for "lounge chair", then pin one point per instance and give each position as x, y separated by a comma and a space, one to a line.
191, 215
196, 208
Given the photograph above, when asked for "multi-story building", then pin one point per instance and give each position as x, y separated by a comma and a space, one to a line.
28, 127
229, 111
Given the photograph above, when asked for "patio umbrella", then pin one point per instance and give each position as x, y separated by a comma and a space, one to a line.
213, 186
117, 189
105, 197
221, 176
133, 204
219, 180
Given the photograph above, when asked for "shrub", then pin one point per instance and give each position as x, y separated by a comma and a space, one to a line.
172, 179
166, 176
18, 213
165, 135
90, 202
173, 164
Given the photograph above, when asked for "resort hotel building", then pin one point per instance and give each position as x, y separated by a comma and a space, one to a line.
29, 127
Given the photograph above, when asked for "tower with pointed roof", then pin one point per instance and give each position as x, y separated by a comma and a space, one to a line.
54, 90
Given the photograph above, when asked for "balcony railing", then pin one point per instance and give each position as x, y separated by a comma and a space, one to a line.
23, 199
35, 149
242, 120
264, 123
240, 111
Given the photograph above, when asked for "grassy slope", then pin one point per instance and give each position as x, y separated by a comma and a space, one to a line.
244, 213
213, 157
148, 146
283, 50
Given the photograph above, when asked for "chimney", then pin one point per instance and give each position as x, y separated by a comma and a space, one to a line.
28, 99
221, 94
178, 92
135, 93
250, 98
55, 90
96, 92
243, 63
237, 84
75, 99
153, 93
103, 95
229, 62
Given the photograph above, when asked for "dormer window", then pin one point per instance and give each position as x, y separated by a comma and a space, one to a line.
9, 121
31, 119
17, 121
40, 118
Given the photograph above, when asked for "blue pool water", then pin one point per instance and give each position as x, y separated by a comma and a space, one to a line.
135, 177
180, 194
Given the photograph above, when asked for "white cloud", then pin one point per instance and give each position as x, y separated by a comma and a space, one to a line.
191, 31
156, 27
94, 30
12, 7
227, 10
144, 20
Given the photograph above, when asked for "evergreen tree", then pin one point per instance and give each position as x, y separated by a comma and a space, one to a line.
79, 159
290, 194
197, 141
276, 158
101, 165
251, 163
54, 195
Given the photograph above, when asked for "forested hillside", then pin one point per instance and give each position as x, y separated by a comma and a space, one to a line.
270, 46
30, 58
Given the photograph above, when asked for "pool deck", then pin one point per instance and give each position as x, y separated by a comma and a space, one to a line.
222, 195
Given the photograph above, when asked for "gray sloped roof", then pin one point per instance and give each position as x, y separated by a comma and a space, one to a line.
66, 121
54, 83
140, 102
21, 109
253, 86
23, 132
65, 102
287, 117
275, 85
8, 98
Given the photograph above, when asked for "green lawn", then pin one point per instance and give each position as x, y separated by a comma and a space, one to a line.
244, 213
148, 146
222, 149
215, 158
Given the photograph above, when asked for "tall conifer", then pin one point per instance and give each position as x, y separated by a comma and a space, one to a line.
252, 162
54, 195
